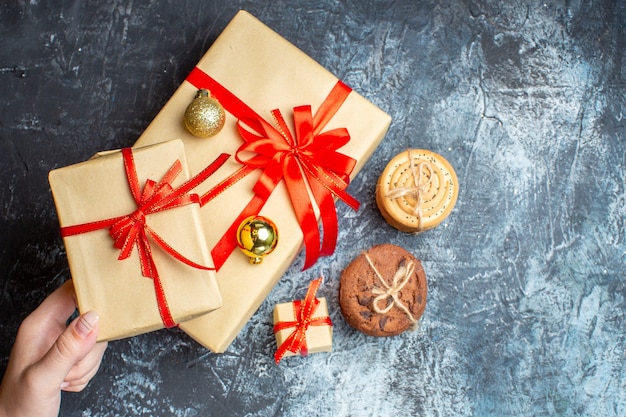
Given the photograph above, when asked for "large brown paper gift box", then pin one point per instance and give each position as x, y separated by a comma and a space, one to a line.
266, 72
98, 189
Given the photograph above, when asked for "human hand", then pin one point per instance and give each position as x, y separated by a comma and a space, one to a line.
49, 356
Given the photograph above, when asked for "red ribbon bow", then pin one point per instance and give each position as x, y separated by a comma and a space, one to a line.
131, 230
308, 160
303, 313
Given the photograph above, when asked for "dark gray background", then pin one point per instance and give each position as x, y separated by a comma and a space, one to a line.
526, 277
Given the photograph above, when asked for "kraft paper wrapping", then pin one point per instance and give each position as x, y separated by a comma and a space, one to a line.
318, 338
266, 72
125, 300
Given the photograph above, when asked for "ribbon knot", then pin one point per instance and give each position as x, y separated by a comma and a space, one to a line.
303, 314
130, 231
400, 279
307, 160
138, 216
125, 232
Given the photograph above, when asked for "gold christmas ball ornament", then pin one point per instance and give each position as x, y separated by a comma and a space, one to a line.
204, 117
257, 236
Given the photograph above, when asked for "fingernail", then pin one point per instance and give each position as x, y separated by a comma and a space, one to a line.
86, 323
64, 384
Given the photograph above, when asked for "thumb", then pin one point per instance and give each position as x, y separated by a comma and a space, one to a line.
69, 349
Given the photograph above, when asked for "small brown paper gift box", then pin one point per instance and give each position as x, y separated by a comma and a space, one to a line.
266, 72
318, 338
98, 189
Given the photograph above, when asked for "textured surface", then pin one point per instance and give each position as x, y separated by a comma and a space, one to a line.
527, 297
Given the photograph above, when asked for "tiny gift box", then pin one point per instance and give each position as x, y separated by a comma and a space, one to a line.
134, 241
303, 326
297, 135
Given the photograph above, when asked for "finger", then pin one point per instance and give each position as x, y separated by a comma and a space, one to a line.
86, 368
79, 384
70, 348
44, 325
58, 306
48, 321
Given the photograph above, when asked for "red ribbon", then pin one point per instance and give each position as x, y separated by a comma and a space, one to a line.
131, 230
306, 160
303, 313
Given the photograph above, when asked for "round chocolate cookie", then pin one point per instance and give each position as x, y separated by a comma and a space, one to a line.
383, 291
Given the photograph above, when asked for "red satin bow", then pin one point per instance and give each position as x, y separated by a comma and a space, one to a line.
308, 160
303, 313
131, 230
